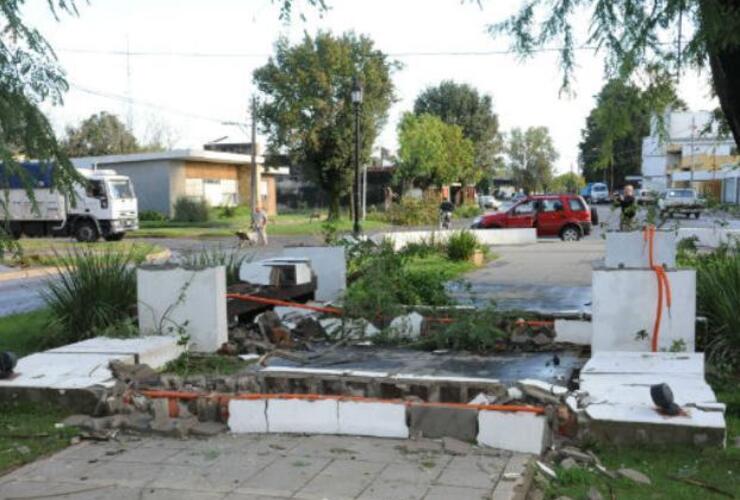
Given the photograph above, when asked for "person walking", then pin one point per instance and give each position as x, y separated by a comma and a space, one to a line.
259, 222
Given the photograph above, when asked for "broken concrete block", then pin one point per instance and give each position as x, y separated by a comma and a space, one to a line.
330, 266
443, 421
248, 416
303, 416
624, 308
184, 302
515, 431
408, 325
573, 331
630, 250
152, 351
376, 419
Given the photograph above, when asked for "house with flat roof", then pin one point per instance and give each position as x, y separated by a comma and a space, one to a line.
220, 178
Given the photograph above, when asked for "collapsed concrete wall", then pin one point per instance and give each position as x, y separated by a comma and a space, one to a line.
489, 237
624, 310
183, 302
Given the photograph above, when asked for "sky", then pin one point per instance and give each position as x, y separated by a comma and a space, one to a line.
190, 63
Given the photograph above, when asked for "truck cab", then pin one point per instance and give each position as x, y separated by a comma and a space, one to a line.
104, 205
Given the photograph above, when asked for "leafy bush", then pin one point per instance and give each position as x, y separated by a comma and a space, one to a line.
410, 211
718, 299
462, 245
424, 248
152, 215
467, 211
383, 283
190, 210
478, 331
211, 257
93, 293
228, 212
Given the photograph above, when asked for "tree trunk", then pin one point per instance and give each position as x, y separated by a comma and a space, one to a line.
333, 205
725, 66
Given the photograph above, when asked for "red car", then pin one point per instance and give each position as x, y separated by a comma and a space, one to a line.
564, 215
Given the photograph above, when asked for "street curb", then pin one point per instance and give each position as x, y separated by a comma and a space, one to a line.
35, 272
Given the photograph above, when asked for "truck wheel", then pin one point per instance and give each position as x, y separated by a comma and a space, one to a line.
86, 232
115, 237
570, 233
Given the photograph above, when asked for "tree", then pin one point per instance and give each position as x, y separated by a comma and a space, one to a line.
30, 76
531, 156
462, 105
611, 143
100, 134
433, 153
569, 182
633, 35
307, 108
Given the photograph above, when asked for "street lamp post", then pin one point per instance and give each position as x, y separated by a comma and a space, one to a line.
356, 101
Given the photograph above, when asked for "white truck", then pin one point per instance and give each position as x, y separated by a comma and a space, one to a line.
104, 205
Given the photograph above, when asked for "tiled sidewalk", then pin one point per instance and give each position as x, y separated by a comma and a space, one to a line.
265, 467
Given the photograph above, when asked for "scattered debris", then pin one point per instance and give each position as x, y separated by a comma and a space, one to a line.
568, 463
702, 484
594, 494
634, 475
547, 471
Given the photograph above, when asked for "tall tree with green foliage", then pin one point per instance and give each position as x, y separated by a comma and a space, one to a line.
532, 156
569, 182
462, 105
100, 134
639, 34
433, 153
30, 76
611, 143
307, 109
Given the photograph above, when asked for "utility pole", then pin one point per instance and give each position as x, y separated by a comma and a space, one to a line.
356, 102
691, 165
256, 177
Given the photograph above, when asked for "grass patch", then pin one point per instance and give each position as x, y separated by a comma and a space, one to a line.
719, 468
52, 252
212, 364
27, 432
220, 226
24, 333
439, 264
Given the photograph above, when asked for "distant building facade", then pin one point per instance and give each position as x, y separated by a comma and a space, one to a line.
688, 151
160, 178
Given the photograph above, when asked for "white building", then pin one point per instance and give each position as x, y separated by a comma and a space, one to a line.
686, 149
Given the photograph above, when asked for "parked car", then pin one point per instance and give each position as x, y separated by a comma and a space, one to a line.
488, 201
646, 196
595, 192
684, 201
565, 215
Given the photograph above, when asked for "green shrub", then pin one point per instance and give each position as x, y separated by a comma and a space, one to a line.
228, 212
718, 299
211, 257
190, 210
410, 211
383, 283
94, 292
424, 248
467, 211
477, 331
152, 215
462, 245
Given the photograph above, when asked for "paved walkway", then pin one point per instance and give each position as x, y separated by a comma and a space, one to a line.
265, 467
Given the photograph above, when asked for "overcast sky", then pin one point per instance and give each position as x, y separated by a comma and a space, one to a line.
194, 59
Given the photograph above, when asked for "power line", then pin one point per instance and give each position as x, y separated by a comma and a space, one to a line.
128, 100
245, 55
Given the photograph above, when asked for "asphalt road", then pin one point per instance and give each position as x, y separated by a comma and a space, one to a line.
551, 275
